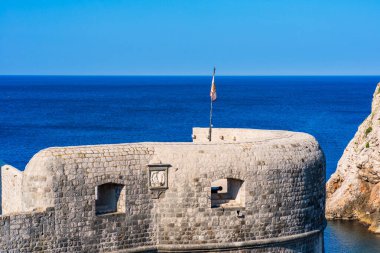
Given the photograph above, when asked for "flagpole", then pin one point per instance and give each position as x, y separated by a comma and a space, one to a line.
210, 129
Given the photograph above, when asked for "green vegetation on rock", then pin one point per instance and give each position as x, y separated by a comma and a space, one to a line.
368, 130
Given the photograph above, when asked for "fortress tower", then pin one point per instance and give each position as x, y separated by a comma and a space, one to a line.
245, 191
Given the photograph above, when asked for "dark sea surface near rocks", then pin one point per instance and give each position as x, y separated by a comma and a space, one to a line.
37, 112
350, 237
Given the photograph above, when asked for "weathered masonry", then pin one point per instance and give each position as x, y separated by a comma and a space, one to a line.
245, 191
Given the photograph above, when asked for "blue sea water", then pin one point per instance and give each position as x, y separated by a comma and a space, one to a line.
43, 111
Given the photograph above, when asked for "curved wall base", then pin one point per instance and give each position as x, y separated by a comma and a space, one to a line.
307, 242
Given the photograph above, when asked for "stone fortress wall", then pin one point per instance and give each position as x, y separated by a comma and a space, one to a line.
10, 190
157, 197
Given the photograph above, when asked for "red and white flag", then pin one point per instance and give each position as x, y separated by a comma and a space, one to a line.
213, 88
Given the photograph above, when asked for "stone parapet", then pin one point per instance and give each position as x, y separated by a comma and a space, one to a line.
10, 189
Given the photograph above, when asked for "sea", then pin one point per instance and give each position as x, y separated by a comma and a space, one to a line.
37, 112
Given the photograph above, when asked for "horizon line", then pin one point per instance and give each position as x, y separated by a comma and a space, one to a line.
182, 75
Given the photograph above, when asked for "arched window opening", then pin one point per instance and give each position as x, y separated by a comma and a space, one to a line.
227, 192
109, 198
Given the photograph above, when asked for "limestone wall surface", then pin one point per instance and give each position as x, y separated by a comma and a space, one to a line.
10, 189
283, 174
28, 232
237, 135
281, 192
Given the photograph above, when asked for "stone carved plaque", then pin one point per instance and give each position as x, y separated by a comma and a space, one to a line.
158, 176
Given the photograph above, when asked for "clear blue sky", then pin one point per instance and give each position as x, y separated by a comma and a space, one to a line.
262, 37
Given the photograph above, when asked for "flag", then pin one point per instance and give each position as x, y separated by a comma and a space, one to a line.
213, 89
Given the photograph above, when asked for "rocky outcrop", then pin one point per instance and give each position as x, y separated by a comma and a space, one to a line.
353, 191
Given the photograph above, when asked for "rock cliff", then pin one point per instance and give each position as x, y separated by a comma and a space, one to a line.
353, 191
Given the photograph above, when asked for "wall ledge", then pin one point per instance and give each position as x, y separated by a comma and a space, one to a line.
216, 247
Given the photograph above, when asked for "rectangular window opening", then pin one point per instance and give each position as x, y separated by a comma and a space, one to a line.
109, 198
228, 193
